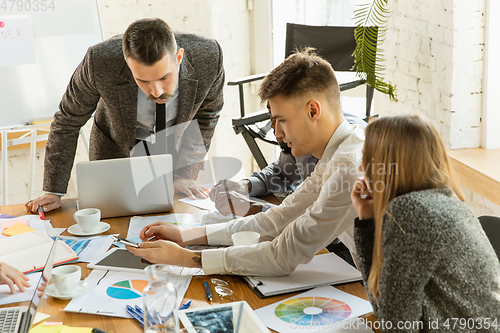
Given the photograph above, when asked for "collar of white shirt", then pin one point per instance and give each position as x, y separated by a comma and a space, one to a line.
340, 134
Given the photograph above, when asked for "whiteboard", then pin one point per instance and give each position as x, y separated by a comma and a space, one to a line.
41, 44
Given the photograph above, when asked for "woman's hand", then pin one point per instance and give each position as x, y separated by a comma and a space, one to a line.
13, 277
362, 199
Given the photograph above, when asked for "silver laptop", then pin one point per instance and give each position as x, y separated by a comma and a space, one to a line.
126, 186
18, 319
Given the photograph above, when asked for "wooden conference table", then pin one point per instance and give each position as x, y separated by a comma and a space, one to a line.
63, 217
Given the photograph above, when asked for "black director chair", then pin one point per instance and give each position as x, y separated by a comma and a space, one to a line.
335, 44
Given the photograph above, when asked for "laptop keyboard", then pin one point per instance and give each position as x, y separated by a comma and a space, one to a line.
9, 320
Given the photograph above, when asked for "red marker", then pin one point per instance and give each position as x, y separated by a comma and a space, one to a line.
40, 213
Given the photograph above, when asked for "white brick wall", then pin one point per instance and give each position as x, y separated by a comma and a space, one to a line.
434, 52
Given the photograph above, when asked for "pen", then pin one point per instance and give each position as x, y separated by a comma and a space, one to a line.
182, 307
131, 311
185, 305
40, 213
208, 294
229, 200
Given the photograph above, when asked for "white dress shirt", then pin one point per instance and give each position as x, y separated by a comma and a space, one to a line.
319, 211
146, 113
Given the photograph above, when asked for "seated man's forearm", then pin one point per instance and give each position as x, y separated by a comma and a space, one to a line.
194, 236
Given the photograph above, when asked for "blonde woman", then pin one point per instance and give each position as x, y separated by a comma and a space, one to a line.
426, 263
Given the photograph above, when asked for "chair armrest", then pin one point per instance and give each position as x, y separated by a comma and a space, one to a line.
247, 79
351, 85
252, 118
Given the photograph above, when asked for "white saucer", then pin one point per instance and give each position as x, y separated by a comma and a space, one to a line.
77, 231
52, 290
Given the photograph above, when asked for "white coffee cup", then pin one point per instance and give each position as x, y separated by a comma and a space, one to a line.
245, 238
88, 219
66, 278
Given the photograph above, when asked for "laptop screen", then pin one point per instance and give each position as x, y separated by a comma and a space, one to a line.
37, 296
126, 186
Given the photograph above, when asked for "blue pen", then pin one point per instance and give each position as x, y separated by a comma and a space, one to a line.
131, 311
138, 309
185, 305
208, 294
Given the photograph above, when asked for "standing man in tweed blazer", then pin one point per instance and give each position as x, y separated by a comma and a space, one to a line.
122, 79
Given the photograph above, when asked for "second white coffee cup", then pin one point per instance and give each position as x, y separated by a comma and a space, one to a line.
88, 219
245, 238
66, 278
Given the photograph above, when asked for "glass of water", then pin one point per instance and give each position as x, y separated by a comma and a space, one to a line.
160, 301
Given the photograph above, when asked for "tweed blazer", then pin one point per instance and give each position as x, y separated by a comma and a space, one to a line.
103, 82
439, 267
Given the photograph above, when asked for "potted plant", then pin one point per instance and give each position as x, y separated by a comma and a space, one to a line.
371, 27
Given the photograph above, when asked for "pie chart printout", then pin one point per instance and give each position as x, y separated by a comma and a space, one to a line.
312, 311
127, 289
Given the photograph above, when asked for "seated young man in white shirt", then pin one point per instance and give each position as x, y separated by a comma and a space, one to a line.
304, 100
282, 177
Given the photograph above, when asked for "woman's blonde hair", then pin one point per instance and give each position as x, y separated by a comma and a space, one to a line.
402, 154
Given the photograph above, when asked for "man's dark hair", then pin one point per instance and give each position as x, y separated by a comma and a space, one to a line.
300, 74
148, 40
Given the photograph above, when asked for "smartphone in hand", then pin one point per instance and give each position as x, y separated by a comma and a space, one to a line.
124, 241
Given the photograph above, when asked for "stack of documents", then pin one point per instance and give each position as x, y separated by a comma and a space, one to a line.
322, 270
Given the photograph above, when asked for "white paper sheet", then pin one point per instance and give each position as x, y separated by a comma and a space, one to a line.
6, 297
200, 203
16, 41
317, 310
208, 204
101, 300
322, 270
137, 223
51, 231
34, 222
88, 248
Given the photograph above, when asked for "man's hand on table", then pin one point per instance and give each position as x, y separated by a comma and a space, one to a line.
241, 204
47, 201
243, 187
161, 231
189, 188
166, 252
164, 243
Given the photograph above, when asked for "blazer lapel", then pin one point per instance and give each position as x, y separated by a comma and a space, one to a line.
187, 95
127, 97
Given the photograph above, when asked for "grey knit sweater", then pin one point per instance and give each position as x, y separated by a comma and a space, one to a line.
440, 273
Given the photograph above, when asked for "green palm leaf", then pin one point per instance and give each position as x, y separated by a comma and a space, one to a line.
371, 27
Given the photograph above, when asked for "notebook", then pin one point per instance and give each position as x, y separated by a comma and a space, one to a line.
322, 270
126, 186
28, 252
18, 319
